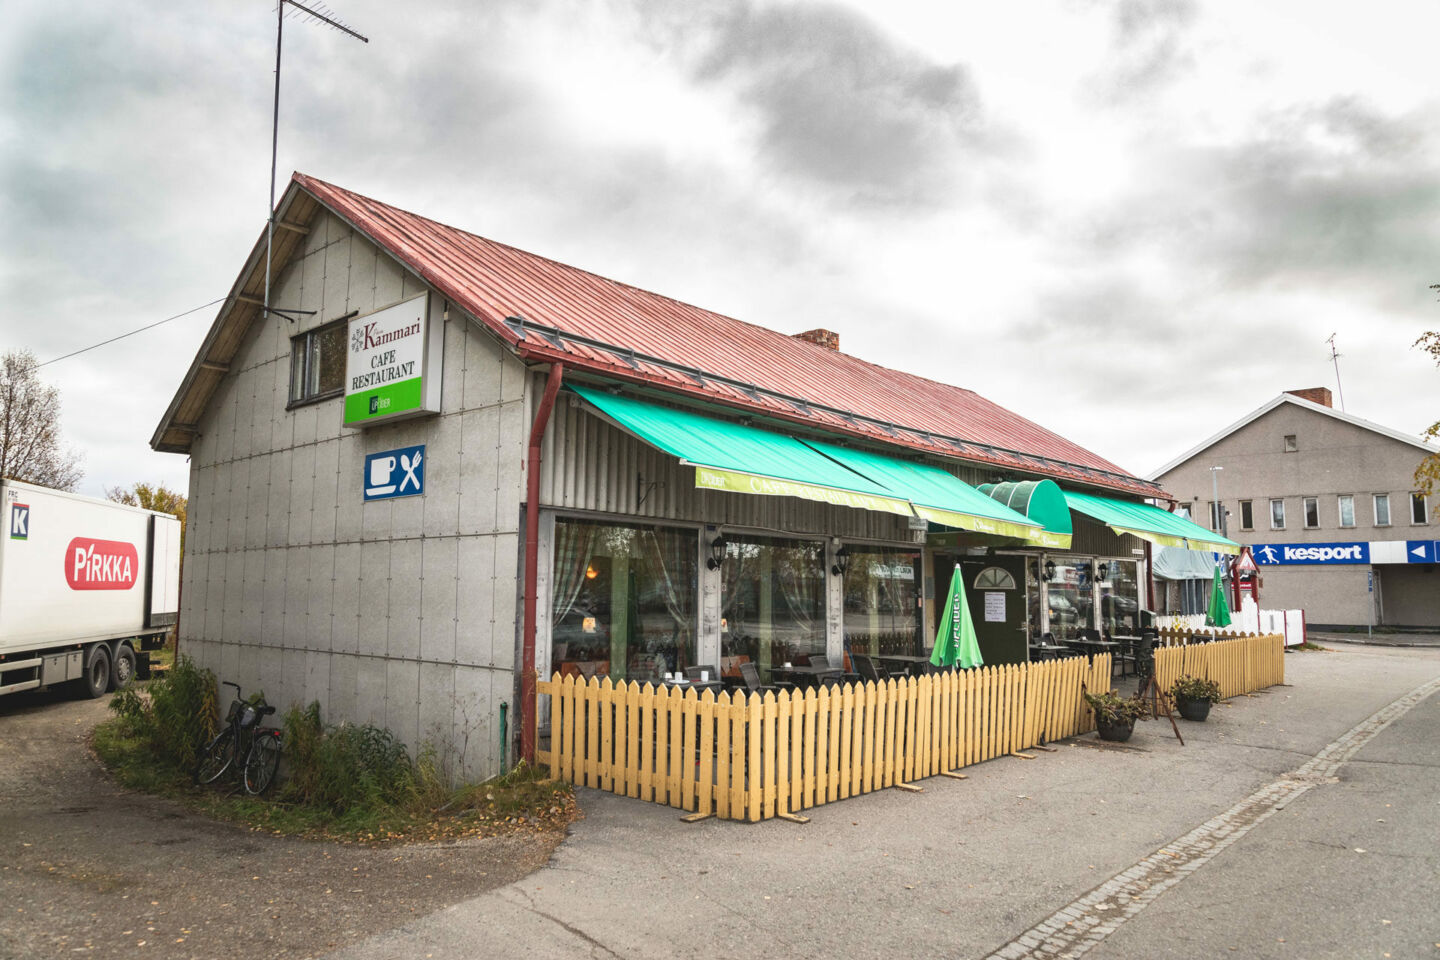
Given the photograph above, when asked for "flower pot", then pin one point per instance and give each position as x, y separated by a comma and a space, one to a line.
1196, 710
1116, 730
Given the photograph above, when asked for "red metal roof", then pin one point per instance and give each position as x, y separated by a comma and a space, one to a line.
492, 281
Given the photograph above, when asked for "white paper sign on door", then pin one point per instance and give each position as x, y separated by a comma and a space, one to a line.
994, 607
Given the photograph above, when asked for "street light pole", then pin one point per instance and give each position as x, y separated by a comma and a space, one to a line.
1217, 517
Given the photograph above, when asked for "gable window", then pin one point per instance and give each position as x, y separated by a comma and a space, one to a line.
1418, 511
1290, 445
1382, 509
317, 363
1347, 510
1277, 514
1312, 511
1247, 515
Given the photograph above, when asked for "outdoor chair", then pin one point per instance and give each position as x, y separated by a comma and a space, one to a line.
822, 661
750, 676
1126, 654
868, 669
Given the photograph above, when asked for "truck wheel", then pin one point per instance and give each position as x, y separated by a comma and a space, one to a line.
122, 667
97, 672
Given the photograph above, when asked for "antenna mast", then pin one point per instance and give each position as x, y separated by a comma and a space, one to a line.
315, 11
1335, 359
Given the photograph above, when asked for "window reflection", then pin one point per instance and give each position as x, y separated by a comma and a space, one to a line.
623, 600
1120, 599
881, 602
1070, 600
772, 602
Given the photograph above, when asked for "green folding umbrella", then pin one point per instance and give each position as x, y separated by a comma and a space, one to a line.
955, 641
1219, 613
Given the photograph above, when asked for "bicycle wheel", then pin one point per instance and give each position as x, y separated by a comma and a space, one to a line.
262, 761
216, 757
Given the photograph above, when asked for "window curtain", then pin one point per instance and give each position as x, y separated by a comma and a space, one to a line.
672, 558
574, 544
798, 587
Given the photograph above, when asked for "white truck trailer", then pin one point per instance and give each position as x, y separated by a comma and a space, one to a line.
87, 588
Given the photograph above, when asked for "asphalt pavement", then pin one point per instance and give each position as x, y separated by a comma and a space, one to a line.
1341, 863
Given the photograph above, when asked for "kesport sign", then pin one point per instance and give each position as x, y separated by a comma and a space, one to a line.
1277, 554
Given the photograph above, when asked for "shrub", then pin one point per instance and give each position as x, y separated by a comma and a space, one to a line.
180, 714
1110, 707
1193, 688
345, 766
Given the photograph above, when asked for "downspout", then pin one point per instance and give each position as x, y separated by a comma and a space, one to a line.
532, 561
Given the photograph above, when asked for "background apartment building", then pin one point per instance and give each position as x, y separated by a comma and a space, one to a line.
1327, 502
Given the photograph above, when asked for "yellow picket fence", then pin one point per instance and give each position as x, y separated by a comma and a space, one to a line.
756, 756
1239, 665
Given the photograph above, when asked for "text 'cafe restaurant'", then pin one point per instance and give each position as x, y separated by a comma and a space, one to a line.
802, 542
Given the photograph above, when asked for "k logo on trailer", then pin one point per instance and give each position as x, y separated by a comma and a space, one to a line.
19, 521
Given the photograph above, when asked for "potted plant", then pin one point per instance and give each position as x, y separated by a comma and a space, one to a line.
1115, 716
1193, 697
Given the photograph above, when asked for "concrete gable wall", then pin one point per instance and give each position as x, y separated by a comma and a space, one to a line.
402, 612
1332, 458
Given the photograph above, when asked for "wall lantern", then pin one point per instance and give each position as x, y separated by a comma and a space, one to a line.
1049, 570
717, 552
842, 561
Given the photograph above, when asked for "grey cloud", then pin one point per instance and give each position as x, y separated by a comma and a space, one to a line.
1149, 50
838, 102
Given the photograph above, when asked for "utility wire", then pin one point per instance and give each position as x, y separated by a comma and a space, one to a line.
132, 333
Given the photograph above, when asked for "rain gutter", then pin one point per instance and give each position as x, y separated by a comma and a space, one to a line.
532, 561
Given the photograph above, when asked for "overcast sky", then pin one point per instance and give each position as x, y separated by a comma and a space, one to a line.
1132, 222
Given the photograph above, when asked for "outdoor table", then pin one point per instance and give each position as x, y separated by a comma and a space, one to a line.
1053, 650
807, 675
699, 686
913, 666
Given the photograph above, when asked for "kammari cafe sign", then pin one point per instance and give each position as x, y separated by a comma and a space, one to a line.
387, 373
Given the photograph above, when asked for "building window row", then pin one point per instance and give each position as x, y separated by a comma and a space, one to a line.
1345, 511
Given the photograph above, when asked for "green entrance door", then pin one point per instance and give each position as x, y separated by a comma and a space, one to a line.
995, 587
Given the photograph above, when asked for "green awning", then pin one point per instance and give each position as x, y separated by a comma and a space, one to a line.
742, 459
1043, 502
1149, 523
937, 496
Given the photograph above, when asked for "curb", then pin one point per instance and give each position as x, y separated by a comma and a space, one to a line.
1374, 643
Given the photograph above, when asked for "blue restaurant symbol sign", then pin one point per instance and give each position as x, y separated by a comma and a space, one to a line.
1273, 554
395, 473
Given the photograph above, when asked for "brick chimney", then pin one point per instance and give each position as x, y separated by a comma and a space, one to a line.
1320, 395
825, 338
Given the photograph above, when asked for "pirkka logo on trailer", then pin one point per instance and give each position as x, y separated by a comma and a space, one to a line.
100, 564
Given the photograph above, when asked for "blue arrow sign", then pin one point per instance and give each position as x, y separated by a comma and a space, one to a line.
1420, 551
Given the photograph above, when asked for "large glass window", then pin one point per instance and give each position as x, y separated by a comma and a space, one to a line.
1247, 514
882, 601
1312, 511
1418, 508
623, 600
772, 602
1277, 514
1069, 597
1347, 510
1120, 598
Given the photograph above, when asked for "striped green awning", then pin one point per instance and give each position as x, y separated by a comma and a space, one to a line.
1149, 523
737, 458
1044, 503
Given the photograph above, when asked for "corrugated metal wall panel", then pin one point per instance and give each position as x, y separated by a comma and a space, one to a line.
1095, 538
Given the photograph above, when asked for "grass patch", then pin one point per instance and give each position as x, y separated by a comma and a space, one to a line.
347, 782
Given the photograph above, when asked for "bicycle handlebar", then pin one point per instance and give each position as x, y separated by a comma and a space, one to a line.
227, 683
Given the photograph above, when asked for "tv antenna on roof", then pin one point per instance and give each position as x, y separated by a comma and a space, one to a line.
1335, 356
314, 11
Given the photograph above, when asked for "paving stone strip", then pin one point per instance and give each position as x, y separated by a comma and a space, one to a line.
1074, 929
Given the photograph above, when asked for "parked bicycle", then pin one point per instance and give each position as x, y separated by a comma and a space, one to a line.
242, 736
